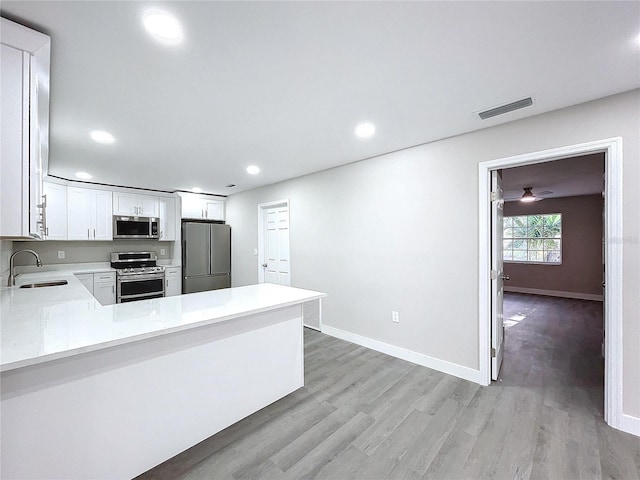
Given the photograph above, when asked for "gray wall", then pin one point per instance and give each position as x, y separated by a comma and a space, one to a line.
400, 232
6, 247
581, 269
87, 252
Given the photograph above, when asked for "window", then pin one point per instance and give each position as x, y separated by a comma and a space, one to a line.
533, 238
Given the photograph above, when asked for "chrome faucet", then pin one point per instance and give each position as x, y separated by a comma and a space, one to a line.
12, 276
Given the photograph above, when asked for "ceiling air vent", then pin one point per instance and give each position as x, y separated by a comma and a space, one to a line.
509, 107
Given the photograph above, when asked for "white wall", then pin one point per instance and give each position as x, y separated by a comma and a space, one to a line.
6, 247
400, 232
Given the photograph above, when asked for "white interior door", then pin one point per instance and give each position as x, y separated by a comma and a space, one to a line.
497, 274
274, 255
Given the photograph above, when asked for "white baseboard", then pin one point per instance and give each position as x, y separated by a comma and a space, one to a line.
555, 293
630, 424
443, 366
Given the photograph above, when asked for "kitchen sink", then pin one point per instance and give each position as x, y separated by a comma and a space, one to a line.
55, 283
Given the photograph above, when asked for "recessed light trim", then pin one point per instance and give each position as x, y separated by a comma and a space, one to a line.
365, 130
253, 170
103, 137
196, 190
163, 26
83, 175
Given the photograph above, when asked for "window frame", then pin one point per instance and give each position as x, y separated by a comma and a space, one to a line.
532, 262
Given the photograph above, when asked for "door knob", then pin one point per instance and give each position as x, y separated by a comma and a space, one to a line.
264, 265
506, 277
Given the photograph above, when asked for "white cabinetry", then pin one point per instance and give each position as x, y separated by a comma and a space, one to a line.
55, 211
24, 114
214, 210
172, 279
89, 214
104, 287
101, 285
135, 204
167, 218
202, 207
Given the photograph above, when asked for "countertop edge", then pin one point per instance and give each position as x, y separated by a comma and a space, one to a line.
7, 367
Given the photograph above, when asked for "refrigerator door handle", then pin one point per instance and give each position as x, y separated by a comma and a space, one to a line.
209, 252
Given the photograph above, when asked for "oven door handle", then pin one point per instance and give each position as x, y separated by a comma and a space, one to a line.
139, 277
141, 296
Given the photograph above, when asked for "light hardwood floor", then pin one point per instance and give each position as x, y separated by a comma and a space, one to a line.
365, 415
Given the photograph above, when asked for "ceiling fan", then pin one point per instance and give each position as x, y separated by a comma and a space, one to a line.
529, 195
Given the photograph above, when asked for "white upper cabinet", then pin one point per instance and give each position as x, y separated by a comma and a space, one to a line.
135, 204
167, 218
24, 114
89, 214
202, 207
102, 215
55, 211
214, 210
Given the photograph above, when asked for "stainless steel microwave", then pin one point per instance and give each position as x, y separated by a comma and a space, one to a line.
135, 227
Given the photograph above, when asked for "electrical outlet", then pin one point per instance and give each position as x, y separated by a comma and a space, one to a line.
61, 254
395, 317
162, 251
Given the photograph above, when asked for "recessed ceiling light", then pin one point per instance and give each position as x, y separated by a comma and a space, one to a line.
83, 175
101, 136
365, 130
196, 190
253, 170
163, 26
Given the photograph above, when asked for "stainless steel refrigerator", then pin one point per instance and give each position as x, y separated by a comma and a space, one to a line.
206, 256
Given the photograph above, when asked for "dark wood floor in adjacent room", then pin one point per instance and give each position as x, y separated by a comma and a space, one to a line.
365, 415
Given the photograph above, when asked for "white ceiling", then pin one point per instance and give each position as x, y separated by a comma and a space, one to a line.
582, 175
282, 85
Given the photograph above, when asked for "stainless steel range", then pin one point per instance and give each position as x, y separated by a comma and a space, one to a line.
138, 277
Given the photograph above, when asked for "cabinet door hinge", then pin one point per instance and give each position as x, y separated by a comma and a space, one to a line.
494, 196
494, 274
493, 352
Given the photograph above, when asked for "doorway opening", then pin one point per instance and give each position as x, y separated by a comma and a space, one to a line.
553, 268
612, 254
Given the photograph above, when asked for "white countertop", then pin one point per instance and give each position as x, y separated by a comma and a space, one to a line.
42, 324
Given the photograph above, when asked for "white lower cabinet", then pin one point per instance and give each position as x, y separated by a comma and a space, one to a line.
172, 279
104, 287
101, 285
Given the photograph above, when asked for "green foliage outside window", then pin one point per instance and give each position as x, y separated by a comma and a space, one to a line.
533, 238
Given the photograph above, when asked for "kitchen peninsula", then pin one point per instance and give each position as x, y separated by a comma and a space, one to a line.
92, 391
